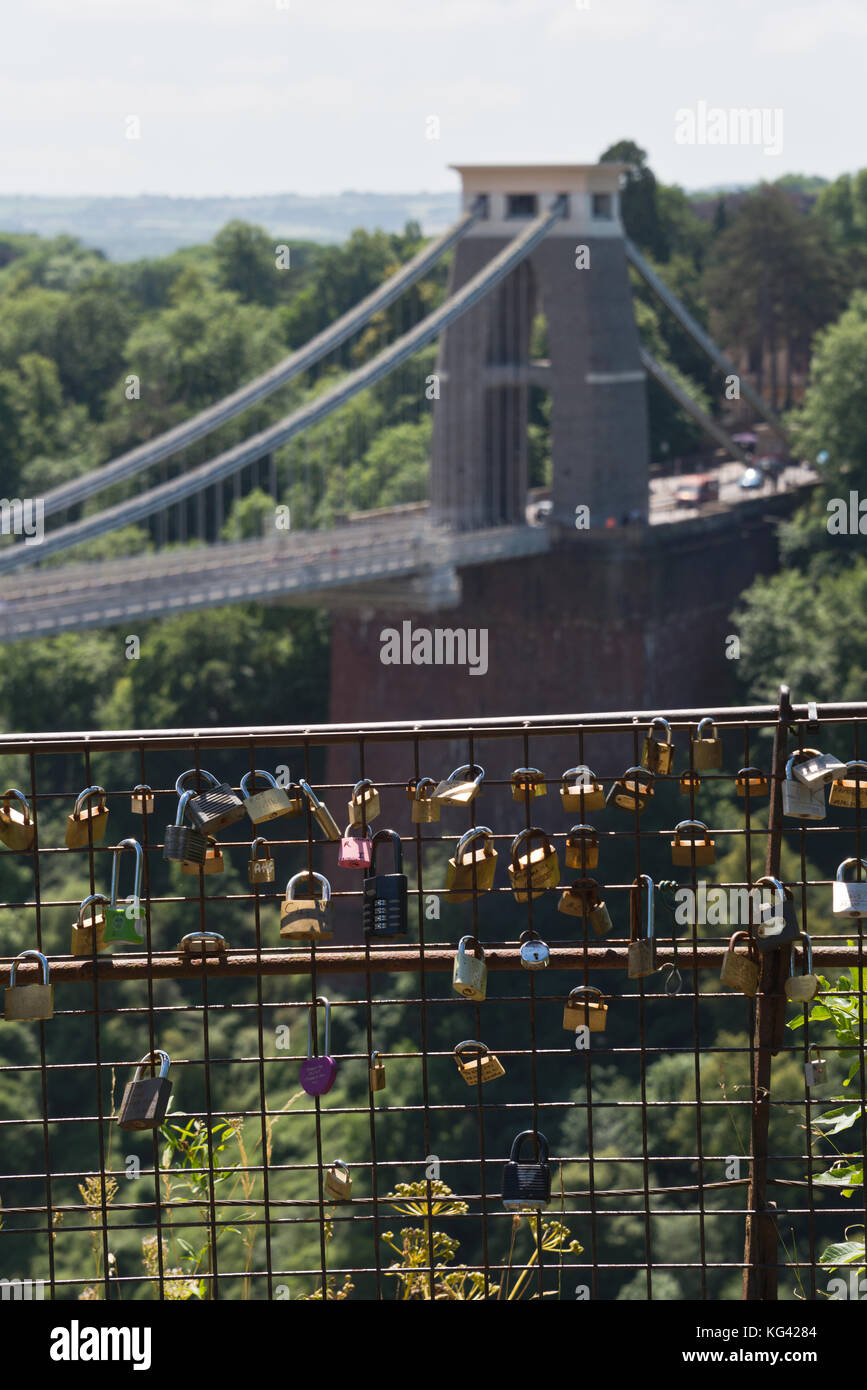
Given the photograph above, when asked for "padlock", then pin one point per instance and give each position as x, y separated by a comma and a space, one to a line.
86, 818
778, 922
306, 919
583, 1012
689, 783
146, 1099
142, 800
818, 770
25, 1002
657, 753
641, 955
802, 986
354, 853
533, 871
582, 848
266, 805
338, 1183
527, 1186
706, 748
632, 791
741, 972
481, 1068
260, 866
182, 844
17, 828
420, 793
88, 938
684, 847
800, 801
849, 898
461, 786
850, 790
320, 812
468, 863
364, 803
215, 807
527, 783
534, 954
751, 781
469, 972
318, 1074
120, 921
579, 790
814, 1069
385, 895
203, 944
213, 862
376, 1072
583, 899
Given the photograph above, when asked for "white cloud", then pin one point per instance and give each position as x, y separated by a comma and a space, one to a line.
113, 99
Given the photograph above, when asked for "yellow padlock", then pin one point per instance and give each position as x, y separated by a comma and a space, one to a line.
533, 871
17, 828
85, 815
469, 861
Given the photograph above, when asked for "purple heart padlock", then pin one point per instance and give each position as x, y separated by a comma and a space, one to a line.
318, 1074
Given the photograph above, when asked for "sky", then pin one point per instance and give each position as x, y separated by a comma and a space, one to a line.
240, 97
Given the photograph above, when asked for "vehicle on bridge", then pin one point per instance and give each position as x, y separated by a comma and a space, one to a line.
696, 489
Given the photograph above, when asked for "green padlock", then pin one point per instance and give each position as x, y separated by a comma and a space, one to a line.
120, 921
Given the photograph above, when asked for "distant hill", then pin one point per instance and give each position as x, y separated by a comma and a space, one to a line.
154, 225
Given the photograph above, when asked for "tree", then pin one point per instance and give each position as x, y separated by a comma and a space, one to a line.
246, 263
638, 199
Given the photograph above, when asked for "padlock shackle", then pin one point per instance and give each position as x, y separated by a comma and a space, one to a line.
481, 1048
198, 773
807, 964
309, 875
257, 772
192, 936
415, 785
360, 787
840, 875
19, 796
469, 769
701, 724
635, 913
380, 838
541, 1141
527, 774
533, 832
582, 774
139, 865
86, 796
164, 1059
750, 774
586, 888
752, 947
478, 950
856, 762
87, 902
582, 831
183, 801
142, 787
469, 837
254, 847
665, 724
636, 773
310, 1009
584, 989
373, 1057
365, 834
338, 1163
692, 825
28, 955
801, 755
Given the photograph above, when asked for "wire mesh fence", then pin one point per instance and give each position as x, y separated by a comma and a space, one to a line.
677, 1141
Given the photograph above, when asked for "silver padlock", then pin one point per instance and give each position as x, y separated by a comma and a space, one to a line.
814, 1070
534, 953
849, 898
799, 800
25, 1002
804, 986
469, 973
818, 770
641, 955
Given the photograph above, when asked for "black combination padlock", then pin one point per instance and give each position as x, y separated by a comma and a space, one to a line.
146, 1099
777, 920
215, 807
181, 843
527, 1186
385, 899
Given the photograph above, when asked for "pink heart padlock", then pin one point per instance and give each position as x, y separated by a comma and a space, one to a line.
318, 1074
354, 853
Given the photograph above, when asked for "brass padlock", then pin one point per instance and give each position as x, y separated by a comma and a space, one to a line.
583, 1012
142, 800
461, 786
146, 1099
483, 1067
203, 944
364, 803
213, 861
741, 972
265, 805
527, 783
468, 863
25, 1002
849, 898
818, 770
579, 790
582, 848
338, 1183
641, 956
533, 871
469, 971
657, 753
706, 748
320, 812
376, 1072
306, 919
420, 794
700, 845
17, 828
87, 819
799, 800
850, 790
583, 899
689, 782
632, 791
802, 986
261, 867
751, 781
88, 938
